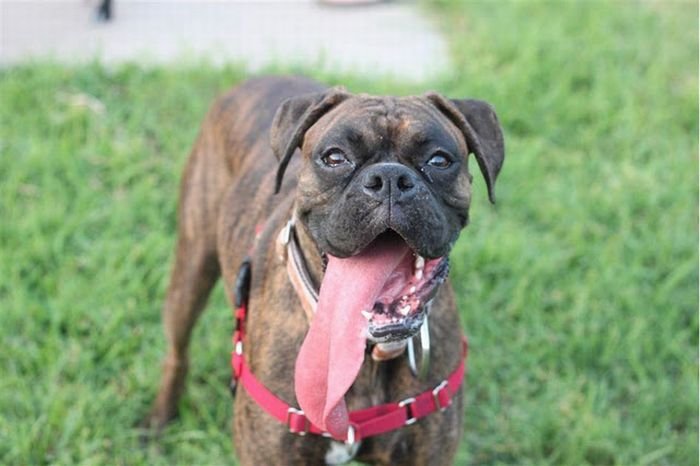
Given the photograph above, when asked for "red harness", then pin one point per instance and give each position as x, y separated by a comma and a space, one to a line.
364, 423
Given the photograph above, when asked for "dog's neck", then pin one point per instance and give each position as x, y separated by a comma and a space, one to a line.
305, 266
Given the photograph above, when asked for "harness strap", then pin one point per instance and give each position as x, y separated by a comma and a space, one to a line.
364, 423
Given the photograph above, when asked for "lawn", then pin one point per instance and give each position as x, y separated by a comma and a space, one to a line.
578, 290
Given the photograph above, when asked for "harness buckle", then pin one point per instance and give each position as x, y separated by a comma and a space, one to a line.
297, 412
436, 396
408, 403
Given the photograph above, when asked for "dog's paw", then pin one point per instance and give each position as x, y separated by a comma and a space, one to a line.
152, 425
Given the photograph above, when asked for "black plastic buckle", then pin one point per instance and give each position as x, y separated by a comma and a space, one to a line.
241, 289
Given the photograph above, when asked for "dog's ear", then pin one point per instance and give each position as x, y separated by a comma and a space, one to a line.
477, 120
293, 118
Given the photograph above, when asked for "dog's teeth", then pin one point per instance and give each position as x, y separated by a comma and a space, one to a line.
404, 297
419, 274
412, 290
405, 310
367, 315
420, 262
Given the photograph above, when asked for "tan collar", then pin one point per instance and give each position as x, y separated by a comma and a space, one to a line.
289, 251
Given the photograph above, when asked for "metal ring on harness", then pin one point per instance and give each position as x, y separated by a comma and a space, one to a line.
420, 371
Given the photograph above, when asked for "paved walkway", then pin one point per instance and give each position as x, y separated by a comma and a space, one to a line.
386, 38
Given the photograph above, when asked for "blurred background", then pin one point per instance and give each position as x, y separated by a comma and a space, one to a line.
578, 290
359, 36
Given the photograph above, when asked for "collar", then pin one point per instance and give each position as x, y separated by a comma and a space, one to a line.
289, 251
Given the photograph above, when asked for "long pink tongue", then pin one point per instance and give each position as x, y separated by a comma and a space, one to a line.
334, 348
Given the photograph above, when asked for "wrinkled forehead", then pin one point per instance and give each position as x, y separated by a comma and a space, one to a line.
384, 121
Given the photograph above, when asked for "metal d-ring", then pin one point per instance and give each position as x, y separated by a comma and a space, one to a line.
420, 371
343, 452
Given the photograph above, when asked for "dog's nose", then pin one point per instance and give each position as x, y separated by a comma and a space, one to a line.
389, 180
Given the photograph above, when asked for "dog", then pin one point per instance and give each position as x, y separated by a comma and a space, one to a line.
372, 193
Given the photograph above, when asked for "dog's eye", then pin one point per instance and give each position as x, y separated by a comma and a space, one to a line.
334, 158
440, 160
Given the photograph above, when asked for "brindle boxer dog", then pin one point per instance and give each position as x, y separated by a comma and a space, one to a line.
379, 191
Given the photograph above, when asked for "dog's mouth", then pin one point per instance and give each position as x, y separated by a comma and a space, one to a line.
380, 295
402, 303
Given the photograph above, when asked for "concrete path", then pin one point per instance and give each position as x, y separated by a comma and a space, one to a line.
385, 38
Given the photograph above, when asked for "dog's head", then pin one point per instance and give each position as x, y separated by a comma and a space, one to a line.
384, 191
384, 169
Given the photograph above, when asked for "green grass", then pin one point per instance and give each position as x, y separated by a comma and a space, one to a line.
578, 290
